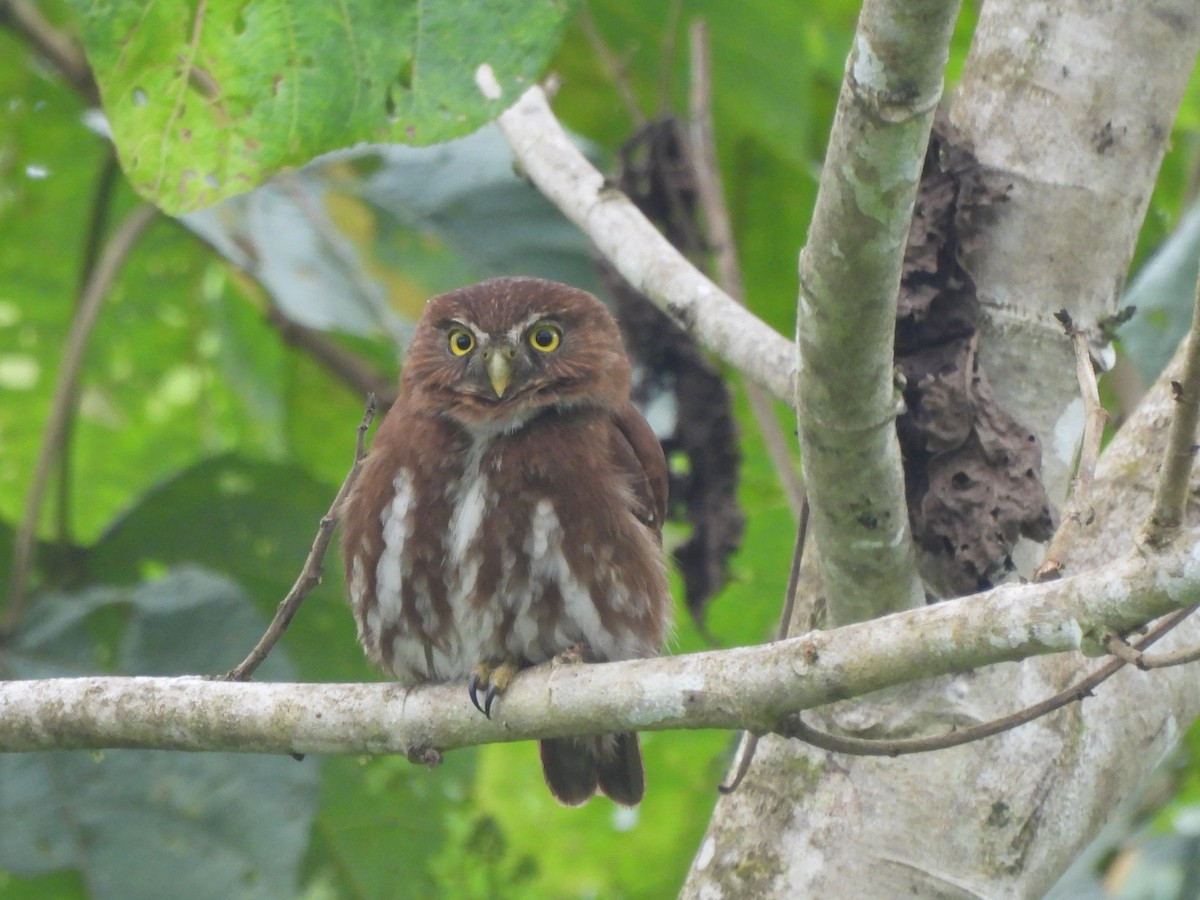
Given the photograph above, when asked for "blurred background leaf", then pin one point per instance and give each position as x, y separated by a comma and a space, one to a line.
133, 824
207, 100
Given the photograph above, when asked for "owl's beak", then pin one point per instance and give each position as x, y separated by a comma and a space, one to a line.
499, 366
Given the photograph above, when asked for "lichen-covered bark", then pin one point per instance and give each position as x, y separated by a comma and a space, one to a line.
1073, 101
1072, 105
849, 275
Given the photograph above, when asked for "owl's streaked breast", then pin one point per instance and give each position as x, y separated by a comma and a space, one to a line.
519, 551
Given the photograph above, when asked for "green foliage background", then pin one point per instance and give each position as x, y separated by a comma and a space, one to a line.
205, 448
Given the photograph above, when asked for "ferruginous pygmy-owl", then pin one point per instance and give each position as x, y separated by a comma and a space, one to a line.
511, 508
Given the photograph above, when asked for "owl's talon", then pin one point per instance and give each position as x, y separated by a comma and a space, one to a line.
496, 678
473, 688
487, 700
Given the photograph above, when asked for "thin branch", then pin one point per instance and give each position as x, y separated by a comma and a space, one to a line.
749, 741
719, 236
639, 252
87, 310
310, 573
1077, 692
613, 67
1079, 512
346, 366
666, 53
1119, 647
25, 20
102, 202
847, 400
752, 688
1171, 494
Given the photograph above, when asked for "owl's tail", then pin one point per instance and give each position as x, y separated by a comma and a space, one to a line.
576, 768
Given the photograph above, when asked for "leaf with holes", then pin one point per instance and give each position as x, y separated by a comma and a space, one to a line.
207, 100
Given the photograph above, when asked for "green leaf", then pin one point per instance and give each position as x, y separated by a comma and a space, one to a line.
255, 523
207, 99
382, 821
357, 244
153, 823
1164, 294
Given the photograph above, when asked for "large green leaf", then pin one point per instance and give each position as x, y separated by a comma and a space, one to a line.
358, 244
253, 522
152, 823
207, 99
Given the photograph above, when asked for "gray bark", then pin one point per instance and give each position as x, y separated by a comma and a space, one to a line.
1074, 101
846, 396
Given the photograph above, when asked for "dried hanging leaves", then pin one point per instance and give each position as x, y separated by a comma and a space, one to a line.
671, 373
973, 472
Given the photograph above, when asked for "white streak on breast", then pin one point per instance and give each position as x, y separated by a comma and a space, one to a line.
468, 515
396, 518
548, 564
368, 619
474, 624
358, 582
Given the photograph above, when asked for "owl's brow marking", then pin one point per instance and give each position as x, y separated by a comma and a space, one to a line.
517, 332
452, 321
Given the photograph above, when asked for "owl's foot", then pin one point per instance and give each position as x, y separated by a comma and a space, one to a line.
575, 654
495, 677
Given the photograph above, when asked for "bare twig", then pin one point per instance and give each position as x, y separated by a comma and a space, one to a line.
613, 67
794, 727
639, 251
310, 574
1079, 512
87, 310
719, 236
1119, 647
1171, 494
749, 742
110, 174
666, 53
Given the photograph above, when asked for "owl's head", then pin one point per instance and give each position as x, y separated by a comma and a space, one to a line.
498, 351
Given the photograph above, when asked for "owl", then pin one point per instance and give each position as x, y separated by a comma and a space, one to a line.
511, 509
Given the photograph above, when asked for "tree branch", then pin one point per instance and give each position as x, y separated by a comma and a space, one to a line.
755, 688
1076, 693
87, 310
348, 367
849, 277
1079, 512
310, 574
639, 252
1171, 494
719, 235
57, 48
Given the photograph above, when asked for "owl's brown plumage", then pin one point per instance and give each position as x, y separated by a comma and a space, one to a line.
511, 508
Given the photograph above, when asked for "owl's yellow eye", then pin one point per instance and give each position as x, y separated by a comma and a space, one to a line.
462, 341
545, 337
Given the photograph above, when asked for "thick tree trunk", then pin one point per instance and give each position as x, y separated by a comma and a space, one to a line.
1073, 101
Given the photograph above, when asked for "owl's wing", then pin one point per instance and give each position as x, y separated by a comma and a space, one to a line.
639, 454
